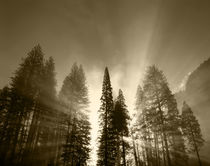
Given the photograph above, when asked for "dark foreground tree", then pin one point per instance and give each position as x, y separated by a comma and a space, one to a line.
25, 88
120, 125
105, 149
191, 130
29, 114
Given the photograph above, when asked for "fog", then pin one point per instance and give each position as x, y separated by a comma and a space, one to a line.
124, 35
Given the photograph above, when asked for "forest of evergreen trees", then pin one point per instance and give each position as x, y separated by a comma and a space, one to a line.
40, 127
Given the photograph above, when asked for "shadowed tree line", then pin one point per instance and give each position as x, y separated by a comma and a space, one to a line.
159, 136
162, 135
39, 127
36, 126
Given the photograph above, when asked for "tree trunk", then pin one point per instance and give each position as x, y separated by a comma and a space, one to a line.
123, 154
117, 163
195, 146
106, 138
164, 135
157, 159
163, 151
134, 152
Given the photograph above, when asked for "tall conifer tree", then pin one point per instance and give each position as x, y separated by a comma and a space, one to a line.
74, 94
159, 121
120, 125
105, 157
25, 86
29, 100
191, 130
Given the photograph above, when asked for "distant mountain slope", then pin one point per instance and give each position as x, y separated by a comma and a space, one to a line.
197, 95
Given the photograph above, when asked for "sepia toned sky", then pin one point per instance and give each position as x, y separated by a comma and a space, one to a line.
125, 35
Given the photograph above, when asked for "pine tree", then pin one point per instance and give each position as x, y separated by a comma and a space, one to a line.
152, 118
191, 130
105, 156
39, 119
74, 94
46, 125
29, 114
137, 132
159, 122
74, 90
24, 88
176, 140
120, 124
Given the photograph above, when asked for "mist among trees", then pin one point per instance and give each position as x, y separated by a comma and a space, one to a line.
42, 127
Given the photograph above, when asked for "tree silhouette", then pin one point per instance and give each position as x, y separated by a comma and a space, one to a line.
191, 130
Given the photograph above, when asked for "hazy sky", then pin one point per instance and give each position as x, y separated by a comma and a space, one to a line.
125, 35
